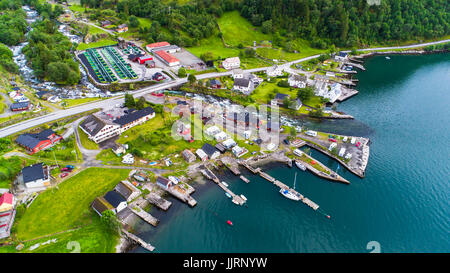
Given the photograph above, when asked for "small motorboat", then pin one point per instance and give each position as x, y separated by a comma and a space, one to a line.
225, 184
388, 58
300, 166
229, 222
228, 195
243, 197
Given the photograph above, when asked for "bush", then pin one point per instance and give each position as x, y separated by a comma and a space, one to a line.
283, 83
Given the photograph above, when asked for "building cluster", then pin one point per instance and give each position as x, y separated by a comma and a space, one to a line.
104, 125
163, 51
7, 213
117, 199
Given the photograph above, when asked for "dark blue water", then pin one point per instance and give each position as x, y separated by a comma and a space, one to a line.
402, 203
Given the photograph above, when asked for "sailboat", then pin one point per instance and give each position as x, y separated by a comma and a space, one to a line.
289, 194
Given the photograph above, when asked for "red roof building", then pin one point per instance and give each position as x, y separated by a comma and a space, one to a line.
167, 58
155, 45
143, 59
6, 202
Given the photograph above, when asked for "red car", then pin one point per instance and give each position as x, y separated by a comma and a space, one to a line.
65, 169
332, 139
63, 175
358, 144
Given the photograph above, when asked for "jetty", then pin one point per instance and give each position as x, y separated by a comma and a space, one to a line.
347, 93
238, 200
228, 162
158, 201
245, 179
328, 174
138, 240
181, 194
147, 217
281, 185
250, 168
356, 65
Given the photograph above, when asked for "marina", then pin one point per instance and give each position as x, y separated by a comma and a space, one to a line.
236, 199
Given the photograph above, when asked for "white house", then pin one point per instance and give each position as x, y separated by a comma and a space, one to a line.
128, 159
341, 56
243, 85
231, 63
212, 131
229, 143
334, 93
298, 81
239, 151
36, 176
274, 71
117, 201
210, 150
201, 154
221, 136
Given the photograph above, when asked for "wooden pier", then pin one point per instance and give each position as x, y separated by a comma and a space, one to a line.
147, 217
158, 201
356, 65
232, 167
138, 240
211, 176
245, 179
281, 185
250, 168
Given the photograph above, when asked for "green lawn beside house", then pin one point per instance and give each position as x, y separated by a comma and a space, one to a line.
86, 142
68, 205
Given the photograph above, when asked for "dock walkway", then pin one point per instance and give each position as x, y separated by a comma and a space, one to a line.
158, 201
147, 217
138, 240
211, 176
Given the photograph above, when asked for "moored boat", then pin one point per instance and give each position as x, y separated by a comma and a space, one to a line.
225, 184
301, 166
288, 194
243, 197
228, 195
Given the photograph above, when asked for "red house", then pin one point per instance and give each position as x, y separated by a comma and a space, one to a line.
143, 59
33, 143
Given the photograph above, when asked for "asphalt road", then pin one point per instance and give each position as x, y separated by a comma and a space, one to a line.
113, 101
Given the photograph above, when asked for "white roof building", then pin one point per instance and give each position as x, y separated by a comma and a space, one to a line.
221, 136
274, 71
231, 63
201, 154
229, 143
128, 159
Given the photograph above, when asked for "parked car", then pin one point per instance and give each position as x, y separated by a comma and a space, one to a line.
64, 175
70, 167
332, 139
286, 141
65, 169
358, 144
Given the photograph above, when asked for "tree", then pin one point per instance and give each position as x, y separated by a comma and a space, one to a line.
140, 104
129, 101
267, 26
192, 79
283, 83
134, 22
305, 94
109, 218
182, 72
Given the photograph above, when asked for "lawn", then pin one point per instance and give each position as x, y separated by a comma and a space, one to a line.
86, 142
262, 92
95, 30
74, 102
237, 30
2, 105
99, 43
214, 44
67, 206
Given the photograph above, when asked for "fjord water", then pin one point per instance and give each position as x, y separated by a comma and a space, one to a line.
402, 203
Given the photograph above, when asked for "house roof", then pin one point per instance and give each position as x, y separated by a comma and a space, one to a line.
41, 93
280, 96
125, 119
209, 149
122, 26
33, 173
92, 125
159, 44
296, 77
28, 141
232, 60
45, 134
166, 56
6, 198
214, 82
123, 189
114, 198
186, 153
220, 147
162, 180
242, 82
100, 204
20, 105
342, 54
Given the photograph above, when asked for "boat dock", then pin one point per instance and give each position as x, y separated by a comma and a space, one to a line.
158, 201
181, 194
211, 176
147, 217
138, 240
356, 65
245, 179
281, 185
347, 93
229, 164
250, 168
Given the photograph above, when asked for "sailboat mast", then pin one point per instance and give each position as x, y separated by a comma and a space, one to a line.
295, 179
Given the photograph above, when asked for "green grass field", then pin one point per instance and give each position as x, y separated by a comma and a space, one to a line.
237, 30
74, 102
99, 43
86, 142
214, 44
67, 206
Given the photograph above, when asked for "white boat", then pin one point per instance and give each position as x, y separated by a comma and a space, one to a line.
388, 58
288, 194
228, 195
225, 184
243, 197
236, 202
300, 166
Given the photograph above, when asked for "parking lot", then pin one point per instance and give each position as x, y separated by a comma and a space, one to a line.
189, 60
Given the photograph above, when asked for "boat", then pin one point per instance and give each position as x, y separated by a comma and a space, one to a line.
301, 166
225, 184
388, 58
289, 162
228, 195
244, 179
229, 222
236, 202
288, 194
243, 197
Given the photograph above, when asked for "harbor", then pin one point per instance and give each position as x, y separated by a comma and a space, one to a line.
158, 201
147, 217
236, 199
